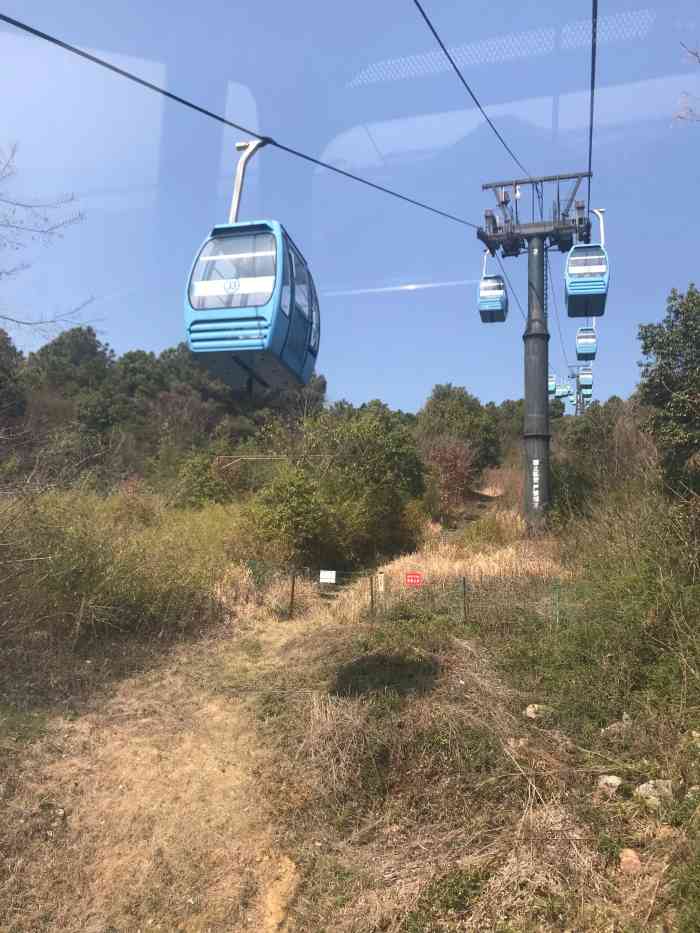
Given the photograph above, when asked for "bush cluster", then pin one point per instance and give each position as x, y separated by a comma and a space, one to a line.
83, 564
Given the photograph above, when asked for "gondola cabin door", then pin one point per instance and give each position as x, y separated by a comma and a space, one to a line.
299, 331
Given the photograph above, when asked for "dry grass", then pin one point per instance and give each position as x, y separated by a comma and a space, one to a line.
444, 564
504, 483
325, 773
143, 814
247, 602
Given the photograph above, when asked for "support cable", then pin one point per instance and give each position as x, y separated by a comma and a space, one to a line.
471, 93
220, 119
510, 287
594, 46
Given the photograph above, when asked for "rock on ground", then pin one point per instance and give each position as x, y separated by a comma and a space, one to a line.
653, 793
609, 783
630, 863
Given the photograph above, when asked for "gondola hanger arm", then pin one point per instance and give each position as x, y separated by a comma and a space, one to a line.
599, 211
248, 147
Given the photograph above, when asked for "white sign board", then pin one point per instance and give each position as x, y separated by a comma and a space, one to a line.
327, 576
536, 483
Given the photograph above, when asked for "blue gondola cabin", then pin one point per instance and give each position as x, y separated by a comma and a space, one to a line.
251, 307
586, 280
586, 343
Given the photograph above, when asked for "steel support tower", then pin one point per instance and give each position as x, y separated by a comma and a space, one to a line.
506, 232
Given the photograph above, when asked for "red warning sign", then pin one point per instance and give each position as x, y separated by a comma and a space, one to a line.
414, 578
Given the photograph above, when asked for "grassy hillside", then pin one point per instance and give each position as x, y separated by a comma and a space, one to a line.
512, 747
349, 771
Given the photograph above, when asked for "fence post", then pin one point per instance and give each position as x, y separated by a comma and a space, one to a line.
464, 598
371, 595
291, 595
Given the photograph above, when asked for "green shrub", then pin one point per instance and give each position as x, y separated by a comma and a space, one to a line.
629, 619
303, 521
572, 489
198, 482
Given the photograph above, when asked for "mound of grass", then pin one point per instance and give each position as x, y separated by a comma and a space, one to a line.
425, 621
494, 529
385, 673
89, 565
378, 728
19, 725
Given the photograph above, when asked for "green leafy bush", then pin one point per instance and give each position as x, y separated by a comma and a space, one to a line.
671, 386
629, 620
198, 482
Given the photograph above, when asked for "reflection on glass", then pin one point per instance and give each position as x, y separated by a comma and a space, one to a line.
234, 272
616, 27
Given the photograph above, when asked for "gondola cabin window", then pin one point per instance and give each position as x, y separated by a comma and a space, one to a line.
286, 297
301, 286
234, 272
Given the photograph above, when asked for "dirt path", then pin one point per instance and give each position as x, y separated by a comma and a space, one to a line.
151, 810
145, 814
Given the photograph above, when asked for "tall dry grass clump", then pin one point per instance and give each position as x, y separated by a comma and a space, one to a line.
504, 483
76, 564
490, 549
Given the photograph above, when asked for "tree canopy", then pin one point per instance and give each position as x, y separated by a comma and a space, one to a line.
12, 394
453, 412
670, 385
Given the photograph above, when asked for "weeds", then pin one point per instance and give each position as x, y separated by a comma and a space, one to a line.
687, 893
493, 530
92, 566
390, 751
443, 902
627, 638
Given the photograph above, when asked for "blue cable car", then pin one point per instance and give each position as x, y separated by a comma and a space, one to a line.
585, 378
551, 385
586, 343
251, 306
587, 393
587, 277
493, 297
563, 390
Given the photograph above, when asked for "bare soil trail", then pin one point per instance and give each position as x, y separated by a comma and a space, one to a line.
145, 812
237, 785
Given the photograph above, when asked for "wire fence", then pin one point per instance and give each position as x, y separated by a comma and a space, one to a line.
487, 597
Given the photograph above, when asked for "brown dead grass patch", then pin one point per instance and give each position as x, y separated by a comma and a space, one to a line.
445, 564
240, 787
144, 813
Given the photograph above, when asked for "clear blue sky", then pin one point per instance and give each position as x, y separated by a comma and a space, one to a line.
360, 84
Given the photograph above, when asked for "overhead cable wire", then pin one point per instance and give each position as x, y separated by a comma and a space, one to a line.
510, 286
471, 93
594, 46
103, 63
